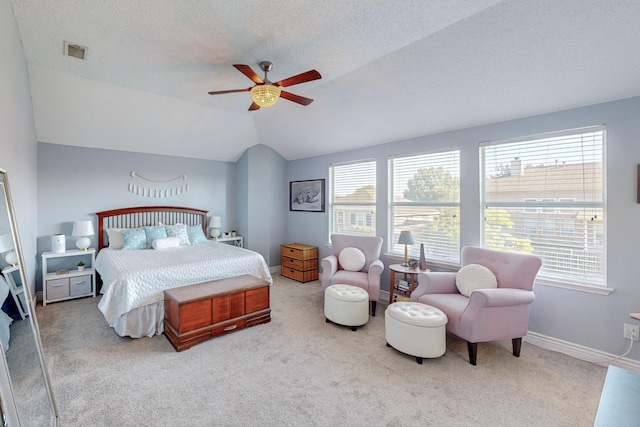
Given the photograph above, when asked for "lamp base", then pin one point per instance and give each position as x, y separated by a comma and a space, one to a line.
215, 233
83, 243
11, 258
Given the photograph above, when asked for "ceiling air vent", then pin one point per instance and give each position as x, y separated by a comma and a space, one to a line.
75, 50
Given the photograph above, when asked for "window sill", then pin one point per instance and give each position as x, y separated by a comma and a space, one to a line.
439, 265
599, 290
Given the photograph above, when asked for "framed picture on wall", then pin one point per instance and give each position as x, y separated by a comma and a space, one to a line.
306, 196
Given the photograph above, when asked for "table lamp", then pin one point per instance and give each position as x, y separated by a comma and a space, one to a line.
406, 238
216, 224
83, 229
6, 245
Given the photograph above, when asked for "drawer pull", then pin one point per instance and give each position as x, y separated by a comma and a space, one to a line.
230, 328
291, 250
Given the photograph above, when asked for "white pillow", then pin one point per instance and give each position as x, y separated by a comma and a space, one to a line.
474, 276
352, 259
115, 238
165, 243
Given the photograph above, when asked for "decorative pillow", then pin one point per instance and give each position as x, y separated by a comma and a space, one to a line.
352, 259
196, 235
154, 233
134, 239
474, 276
115, 238
179, 231
165, 243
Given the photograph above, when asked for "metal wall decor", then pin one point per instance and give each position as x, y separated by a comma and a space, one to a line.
158, 193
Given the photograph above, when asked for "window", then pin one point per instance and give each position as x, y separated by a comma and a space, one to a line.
352, 198
545, 195
425, 199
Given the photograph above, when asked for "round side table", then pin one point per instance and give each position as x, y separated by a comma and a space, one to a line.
409, 272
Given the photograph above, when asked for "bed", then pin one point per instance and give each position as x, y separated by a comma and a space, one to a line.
133, 281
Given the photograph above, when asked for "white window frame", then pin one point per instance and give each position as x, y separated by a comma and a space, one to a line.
560, 270
353, 175
448, 253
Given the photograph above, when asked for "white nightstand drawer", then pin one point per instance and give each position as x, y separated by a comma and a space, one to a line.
80, 285
58, 288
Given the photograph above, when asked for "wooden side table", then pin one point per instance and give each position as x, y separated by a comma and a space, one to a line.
409, 272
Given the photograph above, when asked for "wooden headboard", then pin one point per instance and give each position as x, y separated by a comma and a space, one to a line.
147, 216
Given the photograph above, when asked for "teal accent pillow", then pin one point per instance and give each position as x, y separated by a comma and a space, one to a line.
134, 239
154, 233
196, 235
179, 231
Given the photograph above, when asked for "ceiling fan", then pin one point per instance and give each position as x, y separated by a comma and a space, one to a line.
265, 93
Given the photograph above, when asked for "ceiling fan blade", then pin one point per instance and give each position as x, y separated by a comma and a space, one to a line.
220, 92
247, 71
300, 78
295, 98
254, 106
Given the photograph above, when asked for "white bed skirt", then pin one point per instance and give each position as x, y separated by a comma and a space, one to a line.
145, 321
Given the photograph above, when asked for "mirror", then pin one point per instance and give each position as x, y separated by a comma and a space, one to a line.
26, 395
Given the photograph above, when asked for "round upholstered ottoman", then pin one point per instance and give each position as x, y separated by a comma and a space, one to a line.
415, 329
346, 305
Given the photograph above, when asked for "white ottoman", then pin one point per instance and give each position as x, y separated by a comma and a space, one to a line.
416, 329
346, 305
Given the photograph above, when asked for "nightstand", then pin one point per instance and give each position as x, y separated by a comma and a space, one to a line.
17, 291
61, 279
232, 240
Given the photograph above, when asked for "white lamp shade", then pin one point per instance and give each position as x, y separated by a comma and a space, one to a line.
6, 243
406, 238
216, 222
82, 228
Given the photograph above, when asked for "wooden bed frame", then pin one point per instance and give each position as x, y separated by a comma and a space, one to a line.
147, 216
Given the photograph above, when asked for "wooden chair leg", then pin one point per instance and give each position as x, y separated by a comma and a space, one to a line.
517, 344
473, 352
373, 308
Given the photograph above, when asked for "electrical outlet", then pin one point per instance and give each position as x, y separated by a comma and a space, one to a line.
631, 332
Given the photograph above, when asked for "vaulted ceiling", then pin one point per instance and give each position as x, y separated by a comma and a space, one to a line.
391, 70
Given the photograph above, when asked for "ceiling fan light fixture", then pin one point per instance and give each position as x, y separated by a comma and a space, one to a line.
265, 95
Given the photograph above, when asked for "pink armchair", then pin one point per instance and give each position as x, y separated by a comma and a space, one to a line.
368, 278
489, 314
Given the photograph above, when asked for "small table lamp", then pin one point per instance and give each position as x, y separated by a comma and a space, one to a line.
406, 238
6, 245
216, 225
83, 229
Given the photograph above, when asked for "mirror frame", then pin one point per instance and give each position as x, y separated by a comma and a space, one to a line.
10, 407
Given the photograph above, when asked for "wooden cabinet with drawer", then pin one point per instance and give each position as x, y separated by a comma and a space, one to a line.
299, 262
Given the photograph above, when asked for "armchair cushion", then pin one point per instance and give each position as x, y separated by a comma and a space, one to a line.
474, 276
352, 259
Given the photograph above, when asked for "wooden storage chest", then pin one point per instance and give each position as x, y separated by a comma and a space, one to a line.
299, 262
196, 313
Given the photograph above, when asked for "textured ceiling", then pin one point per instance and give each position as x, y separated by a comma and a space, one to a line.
390, 69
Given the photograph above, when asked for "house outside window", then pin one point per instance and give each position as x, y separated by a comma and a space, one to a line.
544, 195
424, 198
352, 198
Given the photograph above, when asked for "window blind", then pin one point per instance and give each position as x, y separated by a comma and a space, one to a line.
425, 199
545, 195
352, 195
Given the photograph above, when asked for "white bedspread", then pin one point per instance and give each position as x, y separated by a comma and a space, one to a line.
133, 279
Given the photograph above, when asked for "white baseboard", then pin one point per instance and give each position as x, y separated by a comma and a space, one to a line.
581, 352
570, 349
276, 269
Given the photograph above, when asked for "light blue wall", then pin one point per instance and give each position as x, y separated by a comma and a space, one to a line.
264, 201
594, 321
17, 135
74, 183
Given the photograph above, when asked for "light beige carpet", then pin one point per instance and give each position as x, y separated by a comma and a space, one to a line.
299, 370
